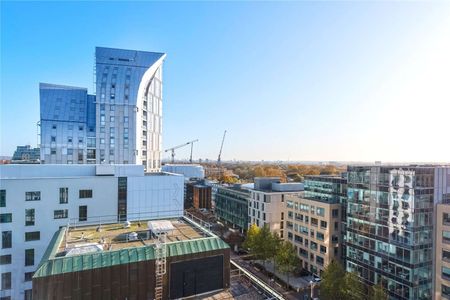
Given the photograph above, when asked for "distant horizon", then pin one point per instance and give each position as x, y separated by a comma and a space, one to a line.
322, 81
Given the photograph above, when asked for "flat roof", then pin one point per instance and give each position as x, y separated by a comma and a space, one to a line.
96, 246
117, 236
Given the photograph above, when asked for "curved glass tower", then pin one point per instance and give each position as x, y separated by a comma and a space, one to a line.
121, 124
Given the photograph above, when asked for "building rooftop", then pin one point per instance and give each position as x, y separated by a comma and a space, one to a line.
118, 236
89, 247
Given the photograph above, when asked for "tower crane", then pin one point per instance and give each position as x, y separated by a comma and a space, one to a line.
180, 146
219, 161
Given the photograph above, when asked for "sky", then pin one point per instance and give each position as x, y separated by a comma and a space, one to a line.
297, 81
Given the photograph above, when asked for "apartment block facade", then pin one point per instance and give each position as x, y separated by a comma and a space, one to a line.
267, 203
390, 226
442, 251
36, 200
120, 124
314, 229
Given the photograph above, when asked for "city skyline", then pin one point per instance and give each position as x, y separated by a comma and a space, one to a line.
289, 81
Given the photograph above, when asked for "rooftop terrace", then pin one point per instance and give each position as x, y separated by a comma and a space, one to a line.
120, 235
97, 246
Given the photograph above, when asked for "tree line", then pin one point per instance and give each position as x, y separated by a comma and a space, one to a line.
336, 283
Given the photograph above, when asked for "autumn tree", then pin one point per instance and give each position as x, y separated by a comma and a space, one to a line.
377, 292
332, 285
287, 259
251, 238
354, 289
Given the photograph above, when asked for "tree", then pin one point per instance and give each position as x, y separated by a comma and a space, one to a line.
250, 240
266, 244
377, 292
354, 289
332, 286
287, 259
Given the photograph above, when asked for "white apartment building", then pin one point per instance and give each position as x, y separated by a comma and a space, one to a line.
35, 200
266, 205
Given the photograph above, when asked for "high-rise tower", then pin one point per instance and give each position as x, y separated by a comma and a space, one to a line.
121, 124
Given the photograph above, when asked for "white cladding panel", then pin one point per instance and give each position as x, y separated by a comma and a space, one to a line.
155, 196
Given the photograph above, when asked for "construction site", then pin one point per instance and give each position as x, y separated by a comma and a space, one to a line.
158, 259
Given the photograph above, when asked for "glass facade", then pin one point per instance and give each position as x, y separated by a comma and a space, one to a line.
121, 124
232, 206
390, 227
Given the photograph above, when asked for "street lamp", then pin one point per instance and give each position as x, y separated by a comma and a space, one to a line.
311, 283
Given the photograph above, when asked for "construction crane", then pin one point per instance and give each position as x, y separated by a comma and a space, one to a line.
219, 161
180, 146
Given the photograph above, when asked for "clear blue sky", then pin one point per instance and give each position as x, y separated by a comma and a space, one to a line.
298, 81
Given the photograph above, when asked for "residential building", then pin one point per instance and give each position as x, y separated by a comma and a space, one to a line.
26, 155
118, 262
390, 226
121, 124
314, 222
331, 189
231, 206
442, 250
267, 202
36, 200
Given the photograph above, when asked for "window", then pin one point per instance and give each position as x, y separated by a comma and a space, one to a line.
320, 211
320, 236
336, 225
32, 236
29, 217
60, 214
319, 260
29, 276
85, 193
53, 138
334, 239
2, 198
69, 151
446, 255
446, 218
6, 239
53, 151
314, 222
28, 294
6, 281
335, 213
82, 213
5, 259
125, 119
32, 196
29, 257
5, 218
63, 195
323, 224
446, 273
445, 290
80, 127
446, 236
111, 118
323, 249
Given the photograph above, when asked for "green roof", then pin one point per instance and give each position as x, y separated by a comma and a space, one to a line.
51, 265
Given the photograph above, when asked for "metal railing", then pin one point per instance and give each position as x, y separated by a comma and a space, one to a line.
272, 294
